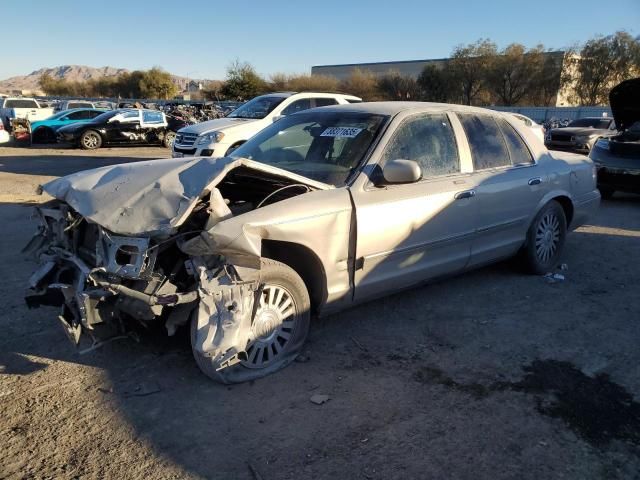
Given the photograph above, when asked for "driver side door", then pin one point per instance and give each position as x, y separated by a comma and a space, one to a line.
409, 233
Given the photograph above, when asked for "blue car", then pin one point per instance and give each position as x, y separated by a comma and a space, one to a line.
44, 131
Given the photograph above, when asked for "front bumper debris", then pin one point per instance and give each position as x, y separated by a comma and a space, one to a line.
106, 284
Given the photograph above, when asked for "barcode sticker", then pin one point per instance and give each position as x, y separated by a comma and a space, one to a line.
349, 132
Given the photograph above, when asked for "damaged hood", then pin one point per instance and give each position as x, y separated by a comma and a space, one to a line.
152, 197
624, 100
217, 124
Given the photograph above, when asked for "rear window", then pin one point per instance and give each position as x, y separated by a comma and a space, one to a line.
20, 103
79, 105
600, 123
518, 151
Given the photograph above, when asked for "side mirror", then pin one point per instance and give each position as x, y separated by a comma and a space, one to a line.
400, 171
277, 117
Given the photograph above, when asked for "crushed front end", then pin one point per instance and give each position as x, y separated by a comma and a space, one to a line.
104, 283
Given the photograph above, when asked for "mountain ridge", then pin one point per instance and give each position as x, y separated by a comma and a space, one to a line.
71, 73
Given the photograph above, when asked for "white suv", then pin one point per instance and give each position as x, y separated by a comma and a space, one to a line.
217, 138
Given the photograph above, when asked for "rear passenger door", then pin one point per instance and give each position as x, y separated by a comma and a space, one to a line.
508, 185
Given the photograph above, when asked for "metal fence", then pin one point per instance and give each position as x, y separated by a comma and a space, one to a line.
542, 114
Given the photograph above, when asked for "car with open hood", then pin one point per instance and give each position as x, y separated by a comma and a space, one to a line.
134, 126
580, 135
219, 137
617, 157
321, 210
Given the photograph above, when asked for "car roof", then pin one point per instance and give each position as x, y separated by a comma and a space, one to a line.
310, 94
394, 108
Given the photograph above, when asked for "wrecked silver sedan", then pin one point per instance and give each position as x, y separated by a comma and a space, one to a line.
321, 210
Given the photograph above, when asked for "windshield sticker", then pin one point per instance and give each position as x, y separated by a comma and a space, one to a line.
349, 132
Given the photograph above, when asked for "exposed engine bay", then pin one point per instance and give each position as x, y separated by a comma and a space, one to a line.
109, 284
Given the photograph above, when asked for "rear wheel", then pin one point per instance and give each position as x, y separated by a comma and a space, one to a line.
279, 327
43, 135
545, 239
168, 139
90, 140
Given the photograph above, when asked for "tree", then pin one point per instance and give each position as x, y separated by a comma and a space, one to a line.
363, 84
312, 83
212, 90
156, 83
467, 69
511, 74
602, 63
394, 86
242, 82
434, 84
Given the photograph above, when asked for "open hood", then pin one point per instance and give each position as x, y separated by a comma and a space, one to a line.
624, 99
152, 197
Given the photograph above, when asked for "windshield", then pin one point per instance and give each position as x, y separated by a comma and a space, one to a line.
601, 123
257, 108
20, 103
323, 146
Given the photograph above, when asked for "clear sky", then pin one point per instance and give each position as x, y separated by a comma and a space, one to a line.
199, 39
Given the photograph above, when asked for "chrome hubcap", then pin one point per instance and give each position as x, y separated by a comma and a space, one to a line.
547, 237
272, 327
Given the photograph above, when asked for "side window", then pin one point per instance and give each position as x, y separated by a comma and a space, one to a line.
488, 148
76, 116
151, 117
297, 106
518, 150
324, 102
94, 113
430, 141
130, 116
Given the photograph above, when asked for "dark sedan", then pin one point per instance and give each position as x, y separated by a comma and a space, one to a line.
121, 127
580, 135
617, 158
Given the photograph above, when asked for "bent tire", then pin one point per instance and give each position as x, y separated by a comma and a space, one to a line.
279, 327
545, 239
90, 140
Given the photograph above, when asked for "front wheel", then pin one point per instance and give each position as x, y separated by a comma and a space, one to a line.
168, 139
278, 331
545, 239
90, 140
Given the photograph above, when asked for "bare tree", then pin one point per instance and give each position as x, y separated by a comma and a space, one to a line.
602, 63
434, 83
363, 84
394, 86
512, 72
468, 67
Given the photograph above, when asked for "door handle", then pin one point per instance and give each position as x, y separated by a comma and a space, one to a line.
465, 194
535, 181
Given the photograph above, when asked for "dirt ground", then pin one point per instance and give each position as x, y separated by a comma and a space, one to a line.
490, 375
